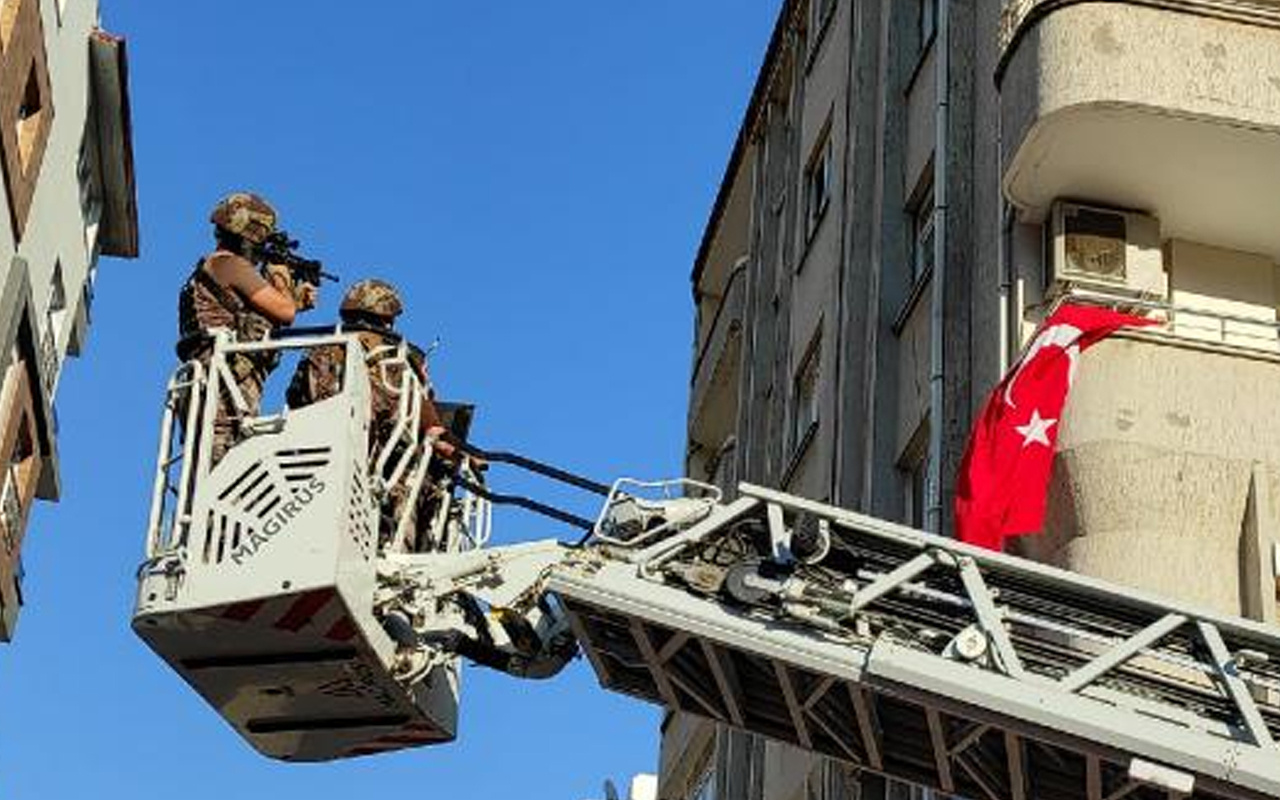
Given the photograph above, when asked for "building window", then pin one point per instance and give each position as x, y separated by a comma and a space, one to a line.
89, 283
55, 319
922, 219
57, 289
817, 181
913, 465
90, 193
926, 21
27, 108
917, 478
21, 467
804, 396
820, 13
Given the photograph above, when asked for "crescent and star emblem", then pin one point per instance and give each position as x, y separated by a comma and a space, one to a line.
1065, 337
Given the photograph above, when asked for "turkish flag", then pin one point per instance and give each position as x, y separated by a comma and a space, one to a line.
1004, 477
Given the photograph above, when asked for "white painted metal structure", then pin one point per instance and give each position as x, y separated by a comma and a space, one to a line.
260, 571
933, 662
901, 652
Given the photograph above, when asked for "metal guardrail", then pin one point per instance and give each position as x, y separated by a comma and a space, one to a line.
732, 305
734, 293
198, 393
1192, 323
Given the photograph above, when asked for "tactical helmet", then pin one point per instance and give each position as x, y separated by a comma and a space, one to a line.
372, 296
245, 214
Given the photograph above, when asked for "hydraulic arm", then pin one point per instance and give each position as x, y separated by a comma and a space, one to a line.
904, 653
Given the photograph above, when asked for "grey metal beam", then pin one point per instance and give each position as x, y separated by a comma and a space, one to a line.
818, 692
941, 755
1051, 578
977, 777
841, 738
677, 641
726, 679
700, 697
593, 653
889, 581
1235, 687
866, 726
989, 618
1036, 709
1030, 708
1124, 791
1092, 777
1122, 652
1017, 759
673, 646
972, 735
793, 706
660, 678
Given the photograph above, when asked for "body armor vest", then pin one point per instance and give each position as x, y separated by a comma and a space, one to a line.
205, 304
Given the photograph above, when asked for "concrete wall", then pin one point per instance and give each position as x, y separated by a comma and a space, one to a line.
1159, 445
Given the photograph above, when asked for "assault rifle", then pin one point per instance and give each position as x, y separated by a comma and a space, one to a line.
280, 249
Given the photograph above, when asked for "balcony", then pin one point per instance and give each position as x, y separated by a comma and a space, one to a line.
1167, 470
11, 525
1171, 107
713, 398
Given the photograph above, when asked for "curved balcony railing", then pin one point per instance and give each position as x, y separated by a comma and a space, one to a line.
1193, 323
709, 369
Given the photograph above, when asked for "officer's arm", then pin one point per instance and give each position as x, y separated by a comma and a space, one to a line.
272, 296
274, 304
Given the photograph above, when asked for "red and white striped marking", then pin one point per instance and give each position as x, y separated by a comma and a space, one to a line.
411, 734
311, 612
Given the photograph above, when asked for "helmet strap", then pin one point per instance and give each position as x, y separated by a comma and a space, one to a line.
235, 243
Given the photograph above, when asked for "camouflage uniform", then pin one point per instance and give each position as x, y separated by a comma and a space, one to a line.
320, 376
320, 372
205, 303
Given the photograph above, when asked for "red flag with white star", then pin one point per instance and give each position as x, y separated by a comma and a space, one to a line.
1004, 477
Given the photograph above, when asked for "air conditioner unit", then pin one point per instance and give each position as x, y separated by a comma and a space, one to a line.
1105, 250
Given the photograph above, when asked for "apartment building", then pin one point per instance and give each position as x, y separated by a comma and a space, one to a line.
915, 186
69, 197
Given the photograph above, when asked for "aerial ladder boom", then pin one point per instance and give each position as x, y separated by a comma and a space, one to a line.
900, 652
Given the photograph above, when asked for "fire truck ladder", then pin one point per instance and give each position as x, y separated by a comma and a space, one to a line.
925, 659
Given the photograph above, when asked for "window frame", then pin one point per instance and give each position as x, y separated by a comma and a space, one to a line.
802, 428
926, 24
923, 215
913, 469
92, 196
817, 195
821, 13
21, 472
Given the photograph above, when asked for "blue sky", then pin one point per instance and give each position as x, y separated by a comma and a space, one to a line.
536, 177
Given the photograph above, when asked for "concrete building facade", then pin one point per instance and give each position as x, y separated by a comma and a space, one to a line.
68, 198
916, 185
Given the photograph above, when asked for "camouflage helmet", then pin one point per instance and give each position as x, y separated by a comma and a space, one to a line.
245, 214
372, 296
